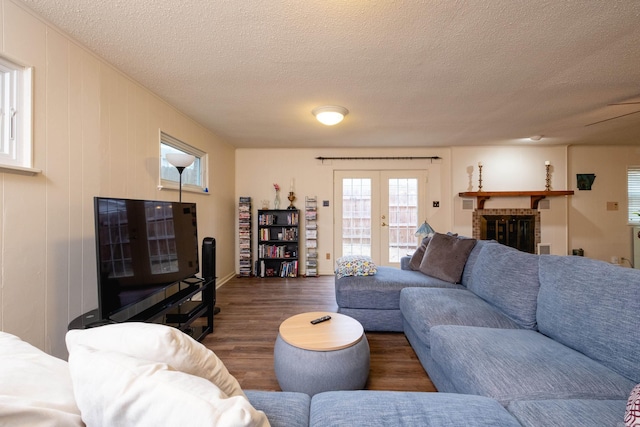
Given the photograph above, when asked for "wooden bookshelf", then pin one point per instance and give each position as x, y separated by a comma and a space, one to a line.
278, 233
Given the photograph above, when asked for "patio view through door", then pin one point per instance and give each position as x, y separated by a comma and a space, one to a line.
377, 212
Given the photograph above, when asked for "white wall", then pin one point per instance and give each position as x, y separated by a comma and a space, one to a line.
258, 169
96, 134
514, 168
600, 232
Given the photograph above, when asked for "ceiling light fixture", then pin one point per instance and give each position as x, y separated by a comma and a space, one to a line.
330, 115
536, 137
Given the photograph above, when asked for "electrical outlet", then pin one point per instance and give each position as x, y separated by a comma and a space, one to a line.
436, 204
328, 255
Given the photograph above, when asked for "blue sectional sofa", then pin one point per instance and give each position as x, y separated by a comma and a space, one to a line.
523, 340
554, 339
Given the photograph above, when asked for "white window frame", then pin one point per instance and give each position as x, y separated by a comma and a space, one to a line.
16, 117
633, 194
170, 179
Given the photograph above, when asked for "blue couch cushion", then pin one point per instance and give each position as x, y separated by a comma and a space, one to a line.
508, 280
424, 308
467, 274
382, 291
593, 307
568, 413
519, 364
283, 409
392, 408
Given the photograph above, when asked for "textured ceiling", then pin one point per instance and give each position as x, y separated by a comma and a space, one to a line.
411, 73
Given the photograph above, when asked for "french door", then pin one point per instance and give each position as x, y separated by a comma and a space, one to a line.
377, 212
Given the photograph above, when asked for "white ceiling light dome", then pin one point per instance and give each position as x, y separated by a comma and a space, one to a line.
330, 114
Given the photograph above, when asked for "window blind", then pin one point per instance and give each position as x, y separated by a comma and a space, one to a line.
633, 193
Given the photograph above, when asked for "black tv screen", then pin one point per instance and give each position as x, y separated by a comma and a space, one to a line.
143, 246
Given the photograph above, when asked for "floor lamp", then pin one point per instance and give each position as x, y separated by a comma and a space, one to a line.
180, 161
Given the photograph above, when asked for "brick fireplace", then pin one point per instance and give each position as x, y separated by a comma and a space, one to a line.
518, 228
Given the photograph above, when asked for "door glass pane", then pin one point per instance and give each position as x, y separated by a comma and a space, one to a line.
403, 217
356, 216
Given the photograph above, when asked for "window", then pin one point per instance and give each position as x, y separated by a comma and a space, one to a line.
633, 194
15, 115
194, 177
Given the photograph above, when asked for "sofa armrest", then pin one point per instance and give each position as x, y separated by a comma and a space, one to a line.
404, 262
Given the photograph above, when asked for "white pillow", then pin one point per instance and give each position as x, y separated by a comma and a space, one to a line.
158, 343
114, 389
35, 387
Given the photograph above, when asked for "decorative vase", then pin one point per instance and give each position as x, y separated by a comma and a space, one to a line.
276, 201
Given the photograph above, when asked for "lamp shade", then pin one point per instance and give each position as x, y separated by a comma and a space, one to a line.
425, 229
180, 160
330, 115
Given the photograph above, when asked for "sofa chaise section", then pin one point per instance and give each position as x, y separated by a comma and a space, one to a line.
375, 300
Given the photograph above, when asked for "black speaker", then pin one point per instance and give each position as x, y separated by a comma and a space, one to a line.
209, 258
209, 269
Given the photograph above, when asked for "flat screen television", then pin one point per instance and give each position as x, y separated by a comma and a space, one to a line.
143, 247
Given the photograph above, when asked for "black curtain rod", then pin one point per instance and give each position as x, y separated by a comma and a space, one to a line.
379, 158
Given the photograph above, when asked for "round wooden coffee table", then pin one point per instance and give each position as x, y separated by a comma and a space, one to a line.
332, 355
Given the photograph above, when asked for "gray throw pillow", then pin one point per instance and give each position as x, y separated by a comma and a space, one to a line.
417, 256
446, 256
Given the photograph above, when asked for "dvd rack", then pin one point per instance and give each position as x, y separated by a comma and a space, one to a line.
311, 236
244, 236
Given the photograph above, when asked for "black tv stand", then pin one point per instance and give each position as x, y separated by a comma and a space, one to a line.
178, 308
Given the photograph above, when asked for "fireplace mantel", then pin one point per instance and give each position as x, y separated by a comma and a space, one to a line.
536, 196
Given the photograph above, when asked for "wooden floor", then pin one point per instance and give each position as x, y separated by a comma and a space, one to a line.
252, 309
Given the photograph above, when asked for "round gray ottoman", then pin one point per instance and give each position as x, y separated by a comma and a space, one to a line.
314, 369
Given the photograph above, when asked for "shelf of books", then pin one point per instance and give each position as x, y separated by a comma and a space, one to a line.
244, 236
311, 235
277, 243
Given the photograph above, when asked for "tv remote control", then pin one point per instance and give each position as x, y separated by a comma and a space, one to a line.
320, 320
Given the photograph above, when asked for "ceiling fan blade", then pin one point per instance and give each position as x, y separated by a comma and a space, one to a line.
612, 118
625, 103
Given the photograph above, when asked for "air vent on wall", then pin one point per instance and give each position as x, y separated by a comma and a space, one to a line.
467, 204
544, 249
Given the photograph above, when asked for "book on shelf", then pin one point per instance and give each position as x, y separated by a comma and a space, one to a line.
289, 269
